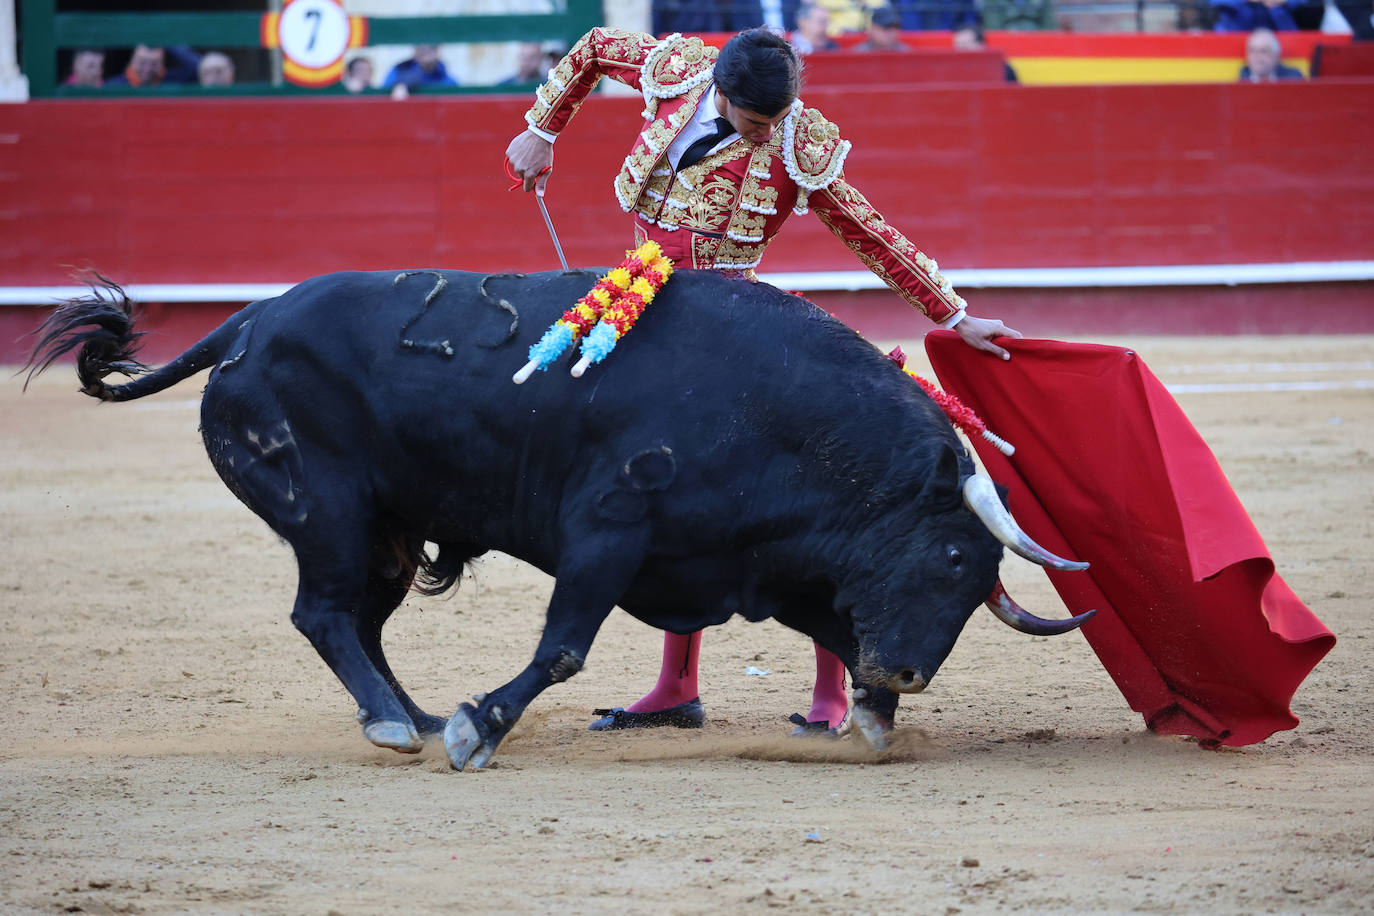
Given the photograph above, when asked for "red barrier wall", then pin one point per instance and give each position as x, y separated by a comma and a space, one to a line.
251, 190
1343, 60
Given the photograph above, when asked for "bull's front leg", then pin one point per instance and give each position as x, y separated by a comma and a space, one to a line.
584, 593
874, 711
874, 707
474, 732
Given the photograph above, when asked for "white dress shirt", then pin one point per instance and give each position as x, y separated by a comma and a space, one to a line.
700, 126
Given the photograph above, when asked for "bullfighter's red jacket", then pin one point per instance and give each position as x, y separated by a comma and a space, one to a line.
722, 212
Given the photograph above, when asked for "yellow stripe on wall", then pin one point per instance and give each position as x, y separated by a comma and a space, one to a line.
1100, 71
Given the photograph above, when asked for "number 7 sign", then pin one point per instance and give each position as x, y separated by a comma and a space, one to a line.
313, 36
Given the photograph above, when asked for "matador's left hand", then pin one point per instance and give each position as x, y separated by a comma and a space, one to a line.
980, 334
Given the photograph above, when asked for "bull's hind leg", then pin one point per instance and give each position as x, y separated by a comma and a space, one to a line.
255, 449
587, 586
324, 613
332, 553
380, 599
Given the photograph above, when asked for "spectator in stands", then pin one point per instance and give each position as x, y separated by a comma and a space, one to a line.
535, 61
970, 38
358, 75
529, 64
884, 32
1020, 15
88, 69
216, 70
1248, 15
706, 15
852, 15
423, 71
937, 15
1262, 64
813, 23
1194, 16
1359, 14
148, 67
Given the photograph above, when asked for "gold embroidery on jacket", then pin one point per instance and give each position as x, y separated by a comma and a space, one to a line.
732, 254
658, 135
704, 251
745, 225
639, 164
675, 65
711, 205
620, 48
757, 198
656, 188
857, 208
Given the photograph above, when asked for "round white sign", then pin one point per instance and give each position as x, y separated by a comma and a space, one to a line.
313, 33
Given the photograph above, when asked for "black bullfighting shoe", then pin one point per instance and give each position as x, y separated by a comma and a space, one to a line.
822, 728
684, 715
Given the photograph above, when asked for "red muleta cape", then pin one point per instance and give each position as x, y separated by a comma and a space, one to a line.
1193, 624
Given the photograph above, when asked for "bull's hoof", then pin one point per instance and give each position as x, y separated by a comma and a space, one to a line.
872, 727
399, 736
463, 742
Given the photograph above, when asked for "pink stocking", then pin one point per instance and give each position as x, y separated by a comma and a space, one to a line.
677, 679
829, 703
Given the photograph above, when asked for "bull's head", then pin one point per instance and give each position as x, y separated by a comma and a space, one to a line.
907, 622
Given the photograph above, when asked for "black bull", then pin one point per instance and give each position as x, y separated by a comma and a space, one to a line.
739, 453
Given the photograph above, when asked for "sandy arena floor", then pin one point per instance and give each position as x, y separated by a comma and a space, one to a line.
177, 747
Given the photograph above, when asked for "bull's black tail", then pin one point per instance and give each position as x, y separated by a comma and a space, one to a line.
102, 325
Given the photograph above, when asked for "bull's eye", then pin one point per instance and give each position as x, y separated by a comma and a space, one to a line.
956, 559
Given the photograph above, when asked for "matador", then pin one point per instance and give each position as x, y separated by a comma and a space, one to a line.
726, 152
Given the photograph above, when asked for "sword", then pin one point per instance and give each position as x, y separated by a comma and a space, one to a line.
539, 196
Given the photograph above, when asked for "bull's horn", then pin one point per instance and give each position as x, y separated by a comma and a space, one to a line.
1018, 618
980, 495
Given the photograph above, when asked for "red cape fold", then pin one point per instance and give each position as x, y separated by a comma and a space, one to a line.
1198, 632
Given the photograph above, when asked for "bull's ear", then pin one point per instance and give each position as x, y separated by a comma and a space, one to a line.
941, 489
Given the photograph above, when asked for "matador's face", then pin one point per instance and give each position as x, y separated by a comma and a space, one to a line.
752, 126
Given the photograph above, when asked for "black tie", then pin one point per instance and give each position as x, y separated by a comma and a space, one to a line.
701, 147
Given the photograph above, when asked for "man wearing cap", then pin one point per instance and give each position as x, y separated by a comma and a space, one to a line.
884, 32
725, 154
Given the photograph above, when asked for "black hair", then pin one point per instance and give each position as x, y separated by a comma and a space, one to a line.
758, 71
